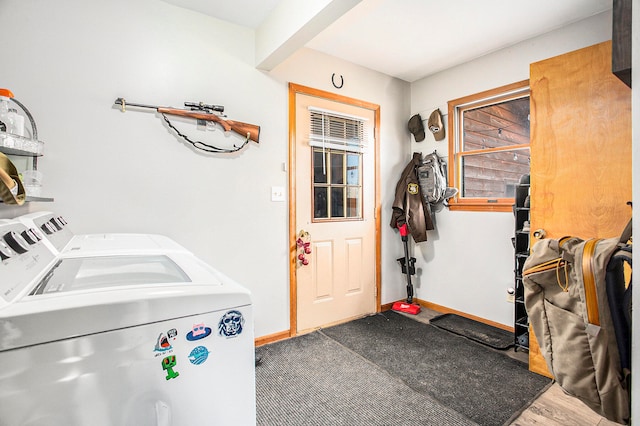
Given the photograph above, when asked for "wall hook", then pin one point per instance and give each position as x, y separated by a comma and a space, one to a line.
334, 83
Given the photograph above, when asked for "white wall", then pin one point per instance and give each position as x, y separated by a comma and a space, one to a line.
468, 264
109, 171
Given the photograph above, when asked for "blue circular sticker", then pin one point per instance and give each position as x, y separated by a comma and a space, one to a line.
198, 355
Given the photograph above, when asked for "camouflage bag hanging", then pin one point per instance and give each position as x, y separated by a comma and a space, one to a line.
432, 177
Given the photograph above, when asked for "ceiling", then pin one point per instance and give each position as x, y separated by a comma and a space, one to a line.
412, 39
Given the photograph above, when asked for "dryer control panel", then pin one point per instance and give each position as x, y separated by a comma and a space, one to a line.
53, 227
24, 257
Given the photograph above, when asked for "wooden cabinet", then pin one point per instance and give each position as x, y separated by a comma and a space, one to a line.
580, 149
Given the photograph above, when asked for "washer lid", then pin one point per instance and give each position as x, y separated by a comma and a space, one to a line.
90, 295
90, 273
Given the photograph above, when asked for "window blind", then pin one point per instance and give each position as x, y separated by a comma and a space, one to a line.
338, 131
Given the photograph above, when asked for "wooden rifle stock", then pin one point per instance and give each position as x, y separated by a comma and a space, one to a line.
246, 130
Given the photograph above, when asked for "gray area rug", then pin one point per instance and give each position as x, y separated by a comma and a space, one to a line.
474, 330
313, 380
480, 383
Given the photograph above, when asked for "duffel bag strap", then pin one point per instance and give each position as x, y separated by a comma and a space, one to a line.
588, 277
553, 264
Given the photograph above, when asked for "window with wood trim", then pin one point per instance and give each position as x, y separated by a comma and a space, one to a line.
338, 141
488, 147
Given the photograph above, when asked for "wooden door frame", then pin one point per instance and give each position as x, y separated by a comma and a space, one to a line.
295, 89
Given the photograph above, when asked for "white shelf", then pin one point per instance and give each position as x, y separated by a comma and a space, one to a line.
17, 145
40, 199
11, 144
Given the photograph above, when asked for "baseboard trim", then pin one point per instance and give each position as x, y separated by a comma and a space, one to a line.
282, 335
446, 310
270, 338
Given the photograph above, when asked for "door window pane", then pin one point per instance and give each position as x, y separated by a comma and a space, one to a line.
337, 168
319, 167
337, 184
353, 169
354, 199
337, 202
320, 202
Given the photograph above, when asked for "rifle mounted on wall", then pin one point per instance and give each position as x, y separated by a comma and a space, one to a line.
203, 112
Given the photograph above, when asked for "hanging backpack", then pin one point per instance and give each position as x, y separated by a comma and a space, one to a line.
579, 307
432, 177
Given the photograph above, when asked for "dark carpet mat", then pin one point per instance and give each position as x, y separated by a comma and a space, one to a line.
474, 330
481, 383
312, 380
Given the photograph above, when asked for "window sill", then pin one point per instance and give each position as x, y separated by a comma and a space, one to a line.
482, 206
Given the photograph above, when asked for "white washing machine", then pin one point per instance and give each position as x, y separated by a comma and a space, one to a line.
134, 330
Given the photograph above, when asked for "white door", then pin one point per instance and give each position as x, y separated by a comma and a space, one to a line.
335, 177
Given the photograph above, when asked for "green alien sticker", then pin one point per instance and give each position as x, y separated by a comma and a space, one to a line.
168, 364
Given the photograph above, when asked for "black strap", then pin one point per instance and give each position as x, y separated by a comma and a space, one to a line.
626, 234
203, 146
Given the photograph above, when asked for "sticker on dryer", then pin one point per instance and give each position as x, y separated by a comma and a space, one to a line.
198, 355
198, 331
168, 364
231, 324
163, 344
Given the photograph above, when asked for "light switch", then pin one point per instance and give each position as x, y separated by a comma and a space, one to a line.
277, 193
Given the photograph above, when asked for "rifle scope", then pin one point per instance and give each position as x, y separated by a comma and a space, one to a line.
204, 107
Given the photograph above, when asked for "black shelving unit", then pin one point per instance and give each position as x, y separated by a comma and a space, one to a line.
521, 248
